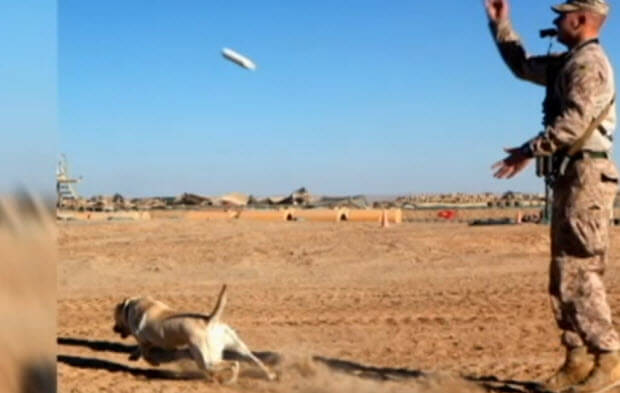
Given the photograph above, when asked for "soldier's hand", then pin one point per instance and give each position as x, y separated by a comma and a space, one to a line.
511, 165
497, 9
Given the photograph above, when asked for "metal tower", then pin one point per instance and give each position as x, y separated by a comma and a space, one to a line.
65, 189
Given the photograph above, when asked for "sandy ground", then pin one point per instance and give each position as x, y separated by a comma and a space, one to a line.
445, 299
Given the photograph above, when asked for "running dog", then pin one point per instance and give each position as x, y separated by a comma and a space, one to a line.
161, 332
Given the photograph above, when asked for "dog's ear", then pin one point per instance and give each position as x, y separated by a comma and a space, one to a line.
219, 306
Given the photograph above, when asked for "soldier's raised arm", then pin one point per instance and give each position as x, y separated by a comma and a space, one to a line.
531, 68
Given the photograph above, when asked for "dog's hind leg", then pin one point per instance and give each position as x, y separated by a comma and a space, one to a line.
198, 352
236, 344
211, 366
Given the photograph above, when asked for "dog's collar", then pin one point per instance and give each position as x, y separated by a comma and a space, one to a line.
141, 324
126, 310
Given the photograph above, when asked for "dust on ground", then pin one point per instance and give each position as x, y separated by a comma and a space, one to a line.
462, 306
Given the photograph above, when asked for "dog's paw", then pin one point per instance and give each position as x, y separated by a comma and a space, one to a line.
152, 362
272, 376
234, 369
224, 378
135, 355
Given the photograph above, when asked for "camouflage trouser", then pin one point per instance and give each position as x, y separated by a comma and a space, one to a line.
582, 209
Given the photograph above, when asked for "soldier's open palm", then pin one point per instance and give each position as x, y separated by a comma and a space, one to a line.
511, 165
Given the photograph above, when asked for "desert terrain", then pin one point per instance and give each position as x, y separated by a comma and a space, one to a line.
426, 307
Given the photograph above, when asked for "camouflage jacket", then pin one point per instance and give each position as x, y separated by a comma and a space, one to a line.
580, 84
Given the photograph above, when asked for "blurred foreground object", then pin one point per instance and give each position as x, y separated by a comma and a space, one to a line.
27, 295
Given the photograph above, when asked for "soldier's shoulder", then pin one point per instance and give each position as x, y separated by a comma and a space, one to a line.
591, 53
592, 57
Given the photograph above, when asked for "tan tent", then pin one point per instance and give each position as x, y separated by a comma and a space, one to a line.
235, 199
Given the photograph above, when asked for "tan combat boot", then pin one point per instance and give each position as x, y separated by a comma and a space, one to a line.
578, 365
606, 374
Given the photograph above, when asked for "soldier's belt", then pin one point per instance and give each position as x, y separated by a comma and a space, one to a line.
567, 160
590, 154
555, 165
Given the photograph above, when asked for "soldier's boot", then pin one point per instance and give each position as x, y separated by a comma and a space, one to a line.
604, 376
576, 368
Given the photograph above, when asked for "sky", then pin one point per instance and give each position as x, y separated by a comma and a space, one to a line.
349, 97
28, 96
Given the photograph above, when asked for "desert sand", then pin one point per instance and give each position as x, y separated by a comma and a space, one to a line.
459, 304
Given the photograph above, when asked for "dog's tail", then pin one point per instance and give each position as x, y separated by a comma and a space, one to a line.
219, 306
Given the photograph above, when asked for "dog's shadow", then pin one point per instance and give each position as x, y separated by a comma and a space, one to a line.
489, 383
150, 373
270, 358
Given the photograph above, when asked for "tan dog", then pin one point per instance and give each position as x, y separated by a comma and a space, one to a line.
160, 331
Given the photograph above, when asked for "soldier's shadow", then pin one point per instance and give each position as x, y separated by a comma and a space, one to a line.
489, 383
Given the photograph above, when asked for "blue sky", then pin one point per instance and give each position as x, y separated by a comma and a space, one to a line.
376, 97
28, 110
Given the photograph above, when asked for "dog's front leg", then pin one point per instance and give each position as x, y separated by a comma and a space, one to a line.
233, 366
136, 354
150, 355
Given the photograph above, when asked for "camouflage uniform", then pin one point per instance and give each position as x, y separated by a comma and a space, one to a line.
580, 84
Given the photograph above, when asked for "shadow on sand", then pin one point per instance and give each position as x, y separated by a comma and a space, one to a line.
269, 358
150, 373
495, 384
490, 383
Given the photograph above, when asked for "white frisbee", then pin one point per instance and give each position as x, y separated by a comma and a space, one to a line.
238, 58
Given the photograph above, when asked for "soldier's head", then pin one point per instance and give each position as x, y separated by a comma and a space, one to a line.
580, 20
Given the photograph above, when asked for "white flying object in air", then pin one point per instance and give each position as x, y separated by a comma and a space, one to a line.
239, 59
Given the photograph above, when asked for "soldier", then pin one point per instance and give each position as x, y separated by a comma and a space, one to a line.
579, 98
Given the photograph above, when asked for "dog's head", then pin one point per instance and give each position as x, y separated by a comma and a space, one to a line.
121, 323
